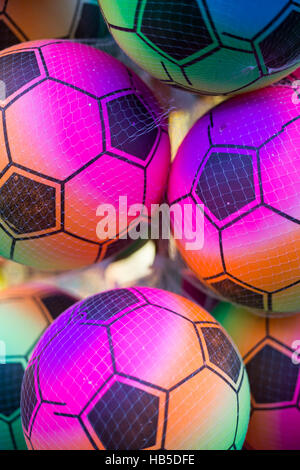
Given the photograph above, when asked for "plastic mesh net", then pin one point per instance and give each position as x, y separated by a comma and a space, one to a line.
208, 46
79, 130
136, 368
140, 368
240, 164
25, 313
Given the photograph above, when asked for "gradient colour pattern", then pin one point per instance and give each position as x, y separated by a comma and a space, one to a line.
268, 349
239, 165
25, 313
78, 130
28, 20
209, 46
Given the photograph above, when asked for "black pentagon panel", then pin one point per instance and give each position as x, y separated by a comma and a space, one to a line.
58, 303
132, 128
26, 205
89, 22
125, 418
177, 28
18, 69
272, 375
28, 396
11, 375
226, 183
281, 48
102, 307
239, 294
7, 37
221, 352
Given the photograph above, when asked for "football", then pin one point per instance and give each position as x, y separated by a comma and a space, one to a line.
135, 368
78, 131
239, 168
28, 20
209, 46
270, 349
25, 313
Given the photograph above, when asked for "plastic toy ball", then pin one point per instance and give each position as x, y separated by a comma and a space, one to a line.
209, 46
270, 349
79, 132
136, 368
239, 171
27, 20
25, 313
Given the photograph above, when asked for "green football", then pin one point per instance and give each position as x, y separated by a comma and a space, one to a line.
209, 46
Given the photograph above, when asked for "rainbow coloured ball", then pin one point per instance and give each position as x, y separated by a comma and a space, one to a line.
136, 368
79, 131
25, 313
270, 349
238, 170
209, 46
293, 80
28, 20
295, 76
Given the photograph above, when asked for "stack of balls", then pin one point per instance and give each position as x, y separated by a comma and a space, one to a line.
84, 158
